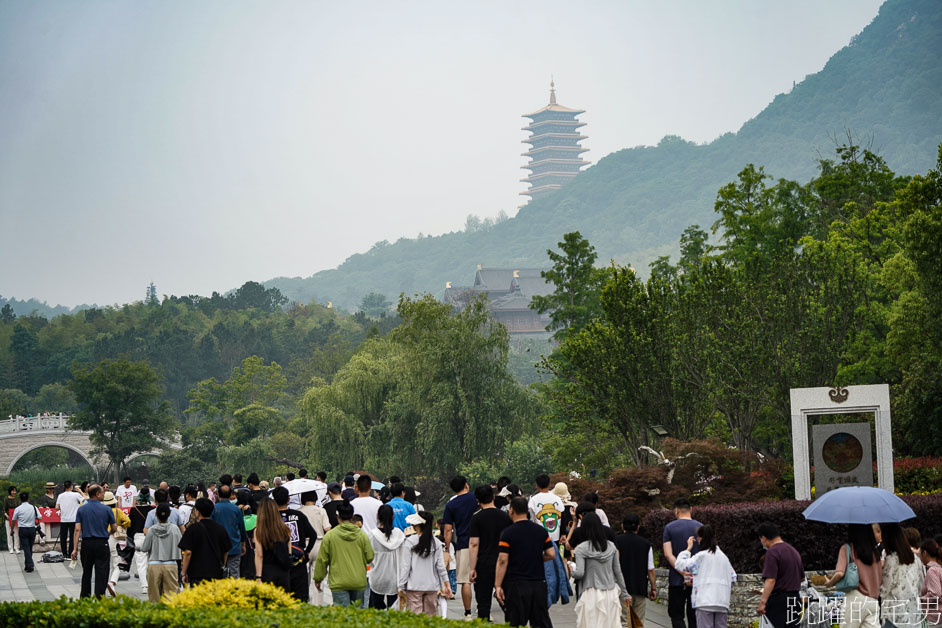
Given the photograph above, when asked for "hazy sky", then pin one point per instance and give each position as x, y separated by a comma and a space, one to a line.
202, 144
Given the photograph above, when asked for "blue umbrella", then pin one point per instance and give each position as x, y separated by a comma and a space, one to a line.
377, 486
859, 504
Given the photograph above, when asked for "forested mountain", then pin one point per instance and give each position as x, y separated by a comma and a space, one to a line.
884, 87
187, 339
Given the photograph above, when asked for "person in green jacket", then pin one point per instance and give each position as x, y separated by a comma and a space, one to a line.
346, 550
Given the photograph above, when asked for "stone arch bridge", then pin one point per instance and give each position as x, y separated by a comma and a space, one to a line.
21, 435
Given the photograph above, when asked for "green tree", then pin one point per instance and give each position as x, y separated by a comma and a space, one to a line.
54, 398
693, 247
120, 405
7, 315
254, 295
254, 421
13, 402
27, 358
432, 395
575, 301
375, 305
252, 383
915, 337
619, 376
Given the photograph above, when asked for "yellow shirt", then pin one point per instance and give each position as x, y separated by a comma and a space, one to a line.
121, 518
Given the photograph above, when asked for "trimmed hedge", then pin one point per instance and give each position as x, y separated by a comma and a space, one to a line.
125, 611
818, 543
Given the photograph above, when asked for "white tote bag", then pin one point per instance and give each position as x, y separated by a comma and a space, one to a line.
442, 607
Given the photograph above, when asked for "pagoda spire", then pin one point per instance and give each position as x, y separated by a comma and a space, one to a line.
552, 91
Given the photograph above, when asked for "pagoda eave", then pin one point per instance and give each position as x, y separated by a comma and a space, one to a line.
536, 191
578, 165
570, 123
552, 109
575, 150
543, 175
567, 136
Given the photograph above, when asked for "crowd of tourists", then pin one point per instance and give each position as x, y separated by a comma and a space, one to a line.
362, 542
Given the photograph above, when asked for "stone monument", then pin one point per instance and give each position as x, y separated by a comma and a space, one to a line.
842, 456
842, 452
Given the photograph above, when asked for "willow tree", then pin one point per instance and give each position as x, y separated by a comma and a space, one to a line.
432, 395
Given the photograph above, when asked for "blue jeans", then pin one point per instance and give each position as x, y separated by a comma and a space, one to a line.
453, 581
348, 598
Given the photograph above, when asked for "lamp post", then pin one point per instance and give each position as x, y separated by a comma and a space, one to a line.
660, 430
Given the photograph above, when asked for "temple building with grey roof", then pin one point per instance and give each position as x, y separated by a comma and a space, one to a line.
509, 291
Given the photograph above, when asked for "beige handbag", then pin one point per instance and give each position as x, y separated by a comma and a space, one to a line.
120, 532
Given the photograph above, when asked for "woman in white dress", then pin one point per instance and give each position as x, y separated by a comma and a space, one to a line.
902, 579
602, 590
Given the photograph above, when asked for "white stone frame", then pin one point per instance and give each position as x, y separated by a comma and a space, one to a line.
805, 402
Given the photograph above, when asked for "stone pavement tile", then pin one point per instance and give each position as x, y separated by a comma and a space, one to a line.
564, 615
58, 581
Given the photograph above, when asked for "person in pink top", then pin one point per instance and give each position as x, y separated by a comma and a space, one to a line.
929, 596
861, 605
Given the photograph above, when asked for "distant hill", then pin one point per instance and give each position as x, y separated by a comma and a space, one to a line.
33, 306
884, 87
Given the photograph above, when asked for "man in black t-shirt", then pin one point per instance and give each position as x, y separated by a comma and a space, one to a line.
520, 580
487, 524
334, 491
258, 493
302, 541
349, 492
205, 546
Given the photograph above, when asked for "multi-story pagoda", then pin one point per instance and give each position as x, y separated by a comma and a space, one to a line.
555, 154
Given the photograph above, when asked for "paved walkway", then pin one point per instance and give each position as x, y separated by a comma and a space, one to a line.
53, 580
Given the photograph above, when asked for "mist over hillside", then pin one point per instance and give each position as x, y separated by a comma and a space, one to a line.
884, 88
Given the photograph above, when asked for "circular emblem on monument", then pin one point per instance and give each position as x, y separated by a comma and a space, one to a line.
842, 452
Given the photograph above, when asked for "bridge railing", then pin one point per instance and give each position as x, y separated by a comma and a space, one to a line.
39, 423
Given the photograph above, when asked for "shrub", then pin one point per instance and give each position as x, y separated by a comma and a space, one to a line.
233, 593
124, 611
704, 471
714, 473
638, 490
917, 475
817, 542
